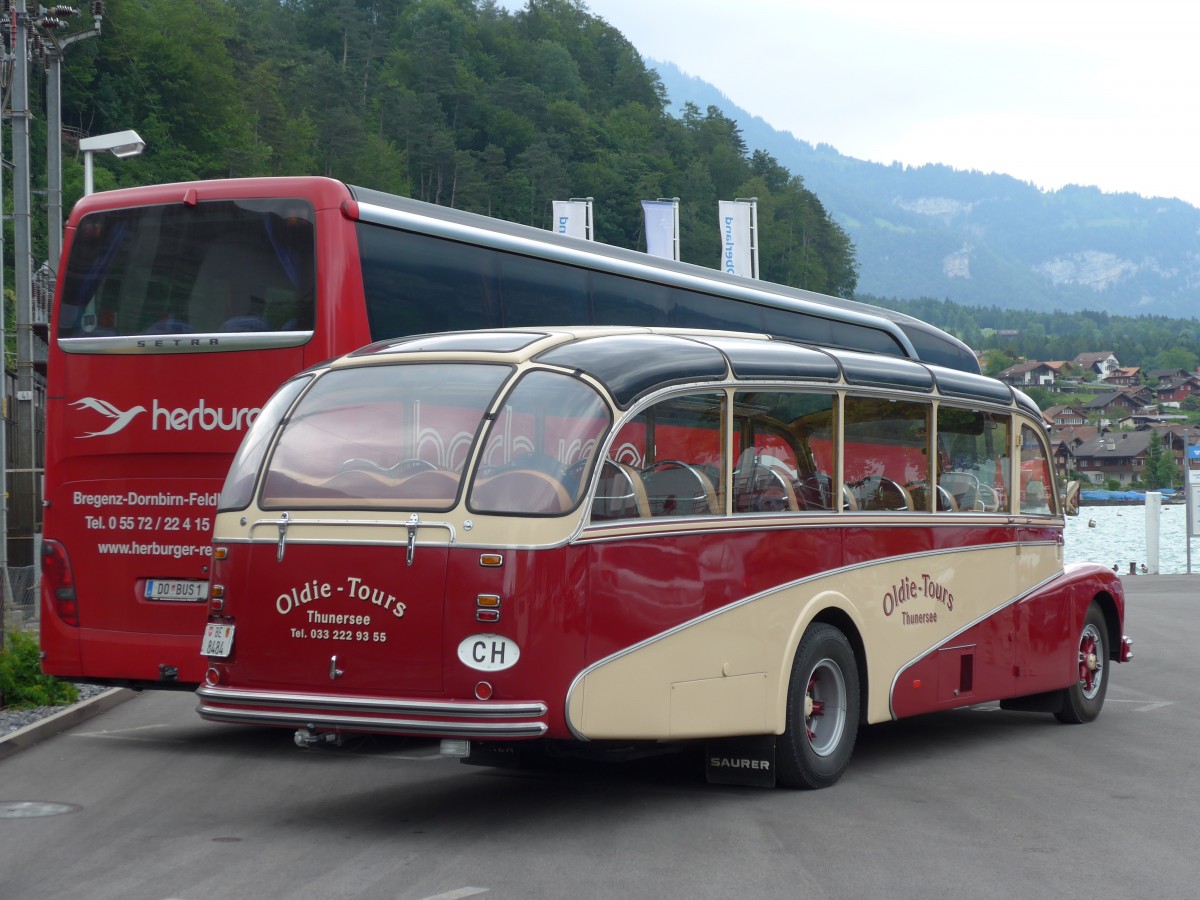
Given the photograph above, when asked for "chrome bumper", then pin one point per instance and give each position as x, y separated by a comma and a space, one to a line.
373, 714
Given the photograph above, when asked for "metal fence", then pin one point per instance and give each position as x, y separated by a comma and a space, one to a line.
21, 598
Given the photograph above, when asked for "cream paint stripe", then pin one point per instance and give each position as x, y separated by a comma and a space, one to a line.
795, 609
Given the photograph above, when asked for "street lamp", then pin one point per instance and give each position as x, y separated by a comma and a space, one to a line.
121, 144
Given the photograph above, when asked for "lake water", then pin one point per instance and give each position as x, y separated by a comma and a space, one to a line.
1120, 537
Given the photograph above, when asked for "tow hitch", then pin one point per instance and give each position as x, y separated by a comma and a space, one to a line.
308, 737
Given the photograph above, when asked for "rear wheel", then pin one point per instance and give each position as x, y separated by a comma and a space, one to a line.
822, 712
1083, 700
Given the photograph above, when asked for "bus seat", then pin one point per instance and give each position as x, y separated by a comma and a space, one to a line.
434, 487
364, 485
245, 323
620, 494
876, 492
521, 490
763, 489
945, 500
674, 488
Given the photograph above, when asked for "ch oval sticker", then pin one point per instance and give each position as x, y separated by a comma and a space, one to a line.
488, 652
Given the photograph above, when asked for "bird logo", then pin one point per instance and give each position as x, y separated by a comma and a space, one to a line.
120, 418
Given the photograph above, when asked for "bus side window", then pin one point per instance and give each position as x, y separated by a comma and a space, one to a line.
1038, 493
675, 447
972, 460
784, 451
887, 453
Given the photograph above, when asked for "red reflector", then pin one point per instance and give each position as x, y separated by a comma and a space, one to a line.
916, 684
487, 615
483, 691
58, 582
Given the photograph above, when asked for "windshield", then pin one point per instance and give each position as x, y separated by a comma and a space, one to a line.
395, 436
215, 267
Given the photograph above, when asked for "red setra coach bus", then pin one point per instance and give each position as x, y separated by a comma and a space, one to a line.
618, 538
181, 307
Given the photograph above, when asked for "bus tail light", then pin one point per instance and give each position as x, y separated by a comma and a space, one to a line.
58, 582
216, 597
487, 608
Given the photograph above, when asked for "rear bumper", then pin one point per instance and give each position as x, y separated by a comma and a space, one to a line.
420, 718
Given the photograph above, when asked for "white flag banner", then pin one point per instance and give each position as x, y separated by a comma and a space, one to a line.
570, 217
660, 227
735, 238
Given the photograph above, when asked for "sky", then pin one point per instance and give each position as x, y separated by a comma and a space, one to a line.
1052, 92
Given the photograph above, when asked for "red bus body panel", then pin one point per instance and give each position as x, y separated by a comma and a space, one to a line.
137, 502
568, 608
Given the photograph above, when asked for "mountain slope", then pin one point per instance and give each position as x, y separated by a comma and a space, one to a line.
986, 239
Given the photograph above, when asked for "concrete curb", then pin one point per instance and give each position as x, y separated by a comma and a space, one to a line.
45, 728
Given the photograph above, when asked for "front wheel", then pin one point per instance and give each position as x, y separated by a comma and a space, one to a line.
1083, 700
822, 711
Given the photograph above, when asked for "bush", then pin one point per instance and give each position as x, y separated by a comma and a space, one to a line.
22, 683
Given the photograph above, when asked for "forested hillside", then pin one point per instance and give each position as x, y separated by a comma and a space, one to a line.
1150, 342
456, 102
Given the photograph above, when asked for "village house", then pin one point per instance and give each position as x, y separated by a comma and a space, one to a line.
1114, 456
1116, 404
1028, 374
1124, 376
1174, 390
1103, 363
1064, 415
1064, 441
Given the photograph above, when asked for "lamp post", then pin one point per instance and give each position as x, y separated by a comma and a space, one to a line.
121, 144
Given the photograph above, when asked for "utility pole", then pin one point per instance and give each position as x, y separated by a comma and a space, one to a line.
54, 48
25, 466
4, 586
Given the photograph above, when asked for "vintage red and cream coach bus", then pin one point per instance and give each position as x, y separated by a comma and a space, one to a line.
625, 537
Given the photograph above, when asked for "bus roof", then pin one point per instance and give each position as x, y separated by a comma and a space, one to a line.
632, 362
917, 339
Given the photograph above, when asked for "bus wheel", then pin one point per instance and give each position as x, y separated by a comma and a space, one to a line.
822, 711
1083, 700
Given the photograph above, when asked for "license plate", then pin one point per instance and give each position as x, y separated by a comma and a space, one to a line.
218, 640
176, 589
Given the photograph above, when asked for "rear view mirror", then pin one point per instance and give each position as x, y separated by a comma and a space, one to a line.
1071, 499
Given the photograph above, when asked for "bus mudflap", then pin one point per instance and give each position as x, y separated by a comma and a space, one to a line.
748, 761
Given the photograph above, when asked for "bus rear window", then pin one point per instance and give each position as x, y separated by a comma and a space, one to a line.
390, 436
216, 267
